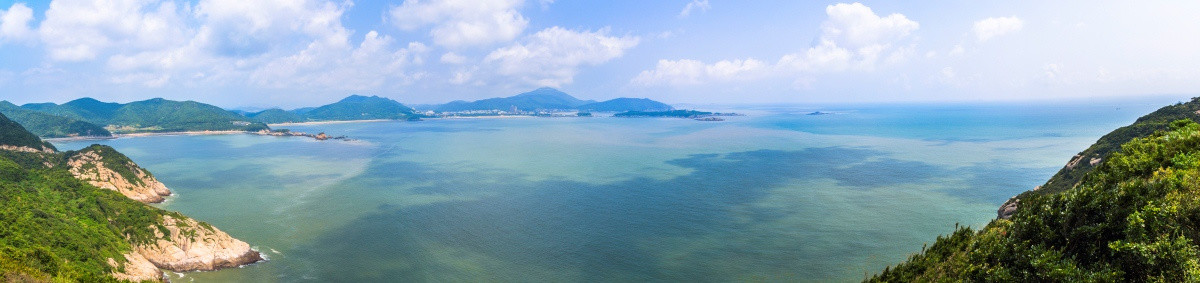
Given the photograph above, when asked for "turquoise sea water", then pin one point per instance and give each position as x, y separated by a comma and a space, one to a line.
772, 196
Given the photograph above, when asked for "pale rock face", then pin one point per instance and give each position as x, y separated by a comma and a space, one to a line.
148, 190
192, 247
137, 268
26, 149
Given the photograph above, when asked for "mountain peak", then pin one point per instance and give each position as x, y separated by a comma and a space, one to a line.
362, 98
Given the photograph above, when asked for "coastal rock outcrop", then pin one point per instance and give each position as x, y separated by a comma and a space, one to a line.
190, 245
105, 168
137, 268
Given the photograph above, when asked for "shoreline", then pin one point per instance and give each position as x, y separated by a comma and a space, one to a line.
331, 122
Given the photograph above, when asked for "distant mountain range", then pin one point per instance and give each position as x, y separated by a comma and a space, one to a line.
539, 99
626, 104
354, 107
91, 117
357, 107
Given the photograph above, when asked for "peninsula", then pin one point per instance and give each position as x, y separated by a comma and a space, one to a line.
82, 216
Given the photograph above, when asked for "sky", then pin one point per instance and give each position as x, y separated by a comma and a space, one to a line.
295, 53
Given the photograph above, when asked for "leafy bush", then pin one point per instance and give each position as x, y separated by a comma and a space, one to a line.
1133, 218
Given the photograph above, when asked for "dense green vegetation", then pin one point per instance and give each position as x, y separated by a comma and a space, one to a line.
626, 104
1066, 178
13, 134
1135, 217
275, 116
86, 109
357, 107
113, 160
539, 99
54, 227
48, 125
154, 115
668, 114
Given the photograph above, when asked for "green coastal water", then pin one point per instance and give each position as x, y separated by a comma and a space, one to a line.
773, 196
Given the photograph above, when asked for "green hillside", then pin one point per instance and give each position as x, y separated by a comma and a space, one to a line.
539, 99
54, 227
1159, 120
51, 126
13, 134
86, 109
154, 115
275, 116
1134, 217
357, 107
627, 104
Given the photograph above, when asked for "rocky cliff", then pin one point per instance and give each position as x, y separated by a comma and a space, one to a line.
105, 168
182, 244
189, 245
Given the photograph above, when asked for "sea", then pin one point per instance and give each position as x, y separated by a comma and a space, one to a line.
774, 195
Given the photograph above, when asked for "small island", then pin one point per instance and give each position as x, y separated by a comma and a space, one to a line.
687, 114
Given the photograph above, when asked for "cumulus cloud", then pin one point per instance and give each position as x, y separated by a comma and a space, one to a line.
552, 57
853, 37
992, 27
77, 30
856, 26
266, 43
692, 72
694, 5
462, 23
452, 58
369, 65
14, 23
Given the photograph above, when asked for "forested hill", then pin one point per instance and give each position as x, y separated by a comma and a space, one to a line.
153, 115
357, 107
13, 134
626, 104
539, 99
1131, 217
55, 227
1081, 164
48, 125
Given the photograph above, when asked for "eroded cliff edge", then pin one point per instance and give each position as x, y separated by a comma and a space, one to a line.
179, 243
105, 168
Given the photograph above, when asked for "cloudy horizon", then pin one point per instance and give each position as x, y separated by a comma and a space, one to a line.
292, 53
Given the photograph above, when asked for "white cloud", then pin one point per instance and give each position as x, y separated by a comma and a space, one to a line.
692, 72
855, 26
462, 23
451, 58
14, 23
370, 65
701, 5
552, 57
852, 38
77, 30
992, 27
958, 50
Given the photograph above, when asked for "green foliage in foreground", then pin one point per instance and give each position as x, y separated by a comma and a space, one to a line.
1134, 218
1158, 120
674, 113
55, 227
48, 125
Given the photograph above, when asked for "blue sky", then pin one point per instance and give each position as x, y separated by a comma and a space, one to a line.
293, 53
